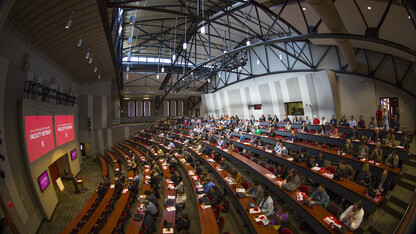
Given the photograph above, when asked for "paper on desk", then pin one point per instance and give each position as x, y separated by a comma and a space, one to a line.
165, 230
130, 178
79, 181
240, 190
280, 183
200, 195
147, 177
146, 170
191, 173
171, 208
171, 197
142, 196
219, 169
259, 218
290, 159
205, 206
254, 210
270, 175
112, 186
316, 168
125, 190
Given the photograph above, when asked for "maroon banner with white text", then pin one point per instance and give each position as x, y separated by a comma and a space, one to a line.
64, 129
39, 136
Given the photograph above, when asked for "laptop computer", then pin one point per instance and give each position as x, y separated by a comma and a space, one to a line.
170, 202
241, 195
308, 203
204, 200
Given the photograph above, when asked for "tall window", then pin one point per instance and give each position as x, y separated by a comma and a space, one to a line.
294, 108
165, 108
173, 108
146, 105
139, 108
180, 108
131, 109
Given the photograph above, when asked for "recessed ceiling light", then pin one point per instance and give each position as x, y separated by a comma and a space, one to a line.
408, 16
146, 98
127, 98
304, 9
369, 7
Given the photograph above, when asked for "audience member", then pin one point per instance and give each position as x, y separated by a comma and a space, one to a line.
363, 149
182, 223
352, 122
392, 160
333, 131
280, 217
372, 124
377, 154
379, 116
319, 197
180, 199
354, 135
343, 122
361, 122
348, 148
293, 178
255, 191
389, 137
320, 160
316, 120
293, 137
266, 204
365, 178
353, 216
333, 121
345, 171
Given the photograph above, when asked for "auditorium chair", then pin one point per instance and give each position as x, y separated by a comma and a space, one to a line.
245, 184
336, 149
221, 223
313, 143
286, 231
331, 169
143, 230
248, 156
333, 209
217, 210
225, 206
324, 146
263, 164
272, 169
304, 189
278, 137
304, 142
255, 160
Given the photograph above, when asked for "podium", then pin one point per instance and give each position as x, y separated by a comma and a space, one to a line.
81, 182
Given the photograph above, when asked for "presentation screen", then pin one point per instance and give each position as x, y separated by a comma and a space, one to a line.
64, 129
43, 180
39, 136
74, 154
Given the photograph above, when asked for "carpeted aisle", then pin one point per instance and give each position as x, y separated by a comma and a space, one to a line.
70, 202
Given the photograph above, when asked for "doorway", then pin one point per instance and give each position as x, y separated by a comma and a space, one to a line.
391, 104
85, 148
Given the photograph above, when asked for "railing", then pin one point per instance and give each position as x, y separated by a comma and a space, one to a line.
408, 217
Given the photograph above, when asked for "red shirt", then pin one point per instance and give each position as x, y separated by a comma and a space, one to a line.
379, 113
316, 121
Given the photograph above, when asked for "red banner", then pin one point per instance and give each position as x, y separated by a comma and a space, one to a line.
39, 136
64, 129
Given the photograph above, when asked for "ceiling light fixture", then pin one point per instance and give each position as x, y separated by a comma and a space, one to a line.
79, 40
369, 8
185, 45
130, 40
157, 76
280, 56
99, 76
132, 19
162, 70
95, 68
90, 61
69, 22
127, 76
248, 42
303, 9
127, 68
87, 55
258, 61
203, 31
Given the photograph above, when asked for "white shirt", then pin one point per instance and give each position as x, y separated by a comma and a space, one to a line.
171, 145
267, 206
358, 218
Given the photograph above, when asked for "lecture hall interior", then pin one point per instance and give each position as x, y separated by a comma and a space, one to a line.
208, 116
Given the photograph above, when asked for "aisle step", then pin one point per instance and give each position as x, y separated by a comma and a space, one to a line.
398, 202
392, 211
372, 230
406, 185
409, 177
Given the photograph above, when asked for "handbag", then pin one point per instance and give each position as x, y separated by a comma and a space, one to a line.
289, 187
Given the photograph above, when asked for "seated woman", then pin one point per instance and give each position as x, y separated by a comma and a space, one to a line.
392, 160
389, 137
280, 217
320, 160
377, 154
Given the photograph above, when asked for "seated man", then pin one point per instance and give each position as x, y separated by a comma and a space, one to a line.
363, 149
277, 147
293, 137
354, 135
345, 171
319, 197
220, 142
377, 154
150, 196
361, 122
316, 120
256, 192
376, 135
242, 137
149, 208
182, 223
304, 127
282, 150
207, 185
320, 160
353, 216
395, 125
281, 171
352, 122
333, 121
365, 177
303, 156
343, 122
348, 147
271, 133
171, 145
213, 196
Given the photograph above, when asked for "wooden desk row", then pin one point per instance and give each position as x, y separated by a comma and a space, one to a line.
206, 215
135, 226
350, 190
243, 203
332, 155
121, 203
168, 211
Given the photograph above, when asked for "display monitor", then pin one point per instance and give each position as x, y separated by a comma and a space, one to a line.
39, 136
64, 129
43, 180
74, 154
